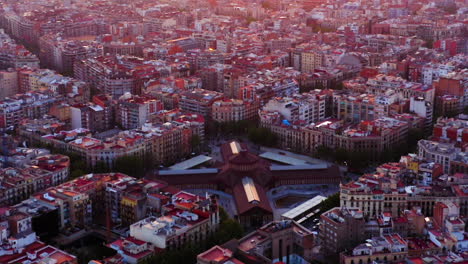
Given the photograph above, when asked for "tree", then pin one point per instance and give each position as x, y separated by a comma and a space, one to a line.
262, 136
324, 152
228, 230
195, 142
100, 167
130, 165
331, 202
76, 173
414, 135
340, 155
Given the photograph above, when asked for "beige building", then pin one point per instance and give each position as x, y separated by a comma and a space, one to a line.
373, 195
311, 60
234, 110
8, 83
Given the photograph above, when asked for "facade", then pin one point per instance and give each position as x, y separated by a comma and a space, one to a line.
101, 75
20, 243
442, 153
178, 224
423, 109
228, 110
340, 229
300, 138
42, 172
374, 195
453, 84
309, 108
9, 83
278, 241
162, 143
451, 130
199, 101
89, 116
30, 105
390, 247
60, 54
15, 56
134, 111
355, 109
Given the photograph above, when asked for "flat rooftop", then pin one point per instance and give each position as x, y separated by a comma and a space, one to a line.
304, 207
192, 171
190, 163
282, 158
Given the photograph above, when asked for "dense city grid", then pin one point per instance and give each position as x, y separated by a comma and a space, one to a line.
233, 131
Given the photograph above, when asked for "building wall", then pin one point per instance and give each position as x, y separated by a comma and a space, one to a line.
8, 83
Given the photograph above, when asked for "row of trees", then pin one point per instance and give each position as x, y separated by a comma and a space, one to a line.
331, 202
228, 229
244, 128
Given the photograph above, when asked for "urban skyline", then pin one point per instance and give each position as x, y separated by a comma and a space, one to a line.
234, 132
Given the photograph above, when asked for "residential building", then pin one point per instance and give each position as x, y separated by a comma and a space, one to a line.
199, 101
279, 241
134, 111
20, 243
391, 247
340, 229
442, 153
9, 83
229, 110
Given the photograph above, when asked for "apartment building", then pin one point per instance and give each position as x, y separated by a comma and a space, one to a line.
187, 218
199, 101
20, 243
134, 111
340, 229
374, 194
391, 247
9, 83
228, 110
101, 73
442, 153
43, 172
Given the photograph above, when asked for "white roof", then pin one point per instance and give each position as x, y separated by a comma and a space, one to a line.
190, 163
299, 167
193, 171
282, 158
307, 205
